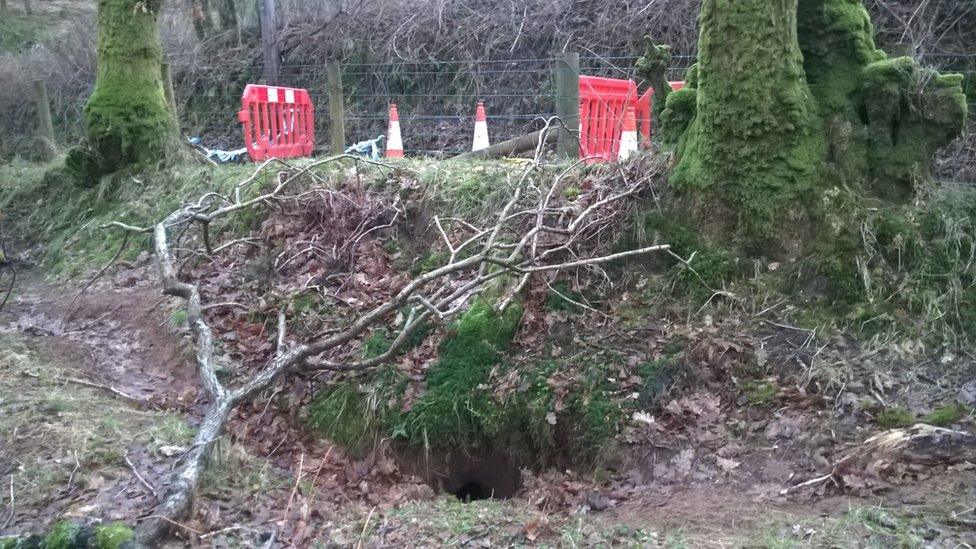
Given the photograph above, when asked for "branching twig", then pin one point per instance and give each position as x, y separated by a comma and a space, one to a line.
555, 241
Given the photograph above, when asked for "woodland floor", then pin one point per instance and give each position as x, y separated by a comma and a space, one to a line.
708, 472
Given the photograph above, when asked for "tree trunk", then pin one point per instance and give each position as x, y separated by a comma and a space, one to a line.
128, 122
790, 97
755, 141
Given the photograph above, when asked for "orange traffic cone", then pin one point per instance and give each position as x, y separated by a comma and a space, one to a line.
628, 137
480, 129
394, 145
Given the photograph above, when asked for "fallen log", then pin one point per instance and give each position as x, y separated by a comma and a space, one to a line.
888, 453
515, 145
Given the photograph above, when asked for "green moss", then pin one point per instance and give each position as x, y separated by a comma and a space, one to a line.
883, 118
560, 409
710, 266
62, 536
111, 536
557, 302
341, 415
453, 410
759, 393
804, 100
894, 417
652, 67
911, 113
946, 415
677, 116
127, 117
655, 376
755, 142
431, 261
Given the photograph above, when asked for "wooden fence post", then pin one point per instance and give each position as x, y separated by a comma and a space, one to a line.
27, 7
3, 7
566, 77
337, 125
170, 96
269, 41
45, 127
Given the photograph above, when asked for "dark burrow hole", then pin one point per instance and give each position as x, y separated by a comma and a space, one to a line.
468, 478
473, 491
489, 479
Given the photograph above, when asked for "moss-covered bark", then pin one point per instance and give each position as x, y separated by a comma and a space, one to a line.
754, 140
653, 67
883, 118
789, 95
127, 119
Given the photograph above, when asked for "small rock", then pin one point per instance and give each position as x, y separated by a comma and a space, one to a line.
597, 501
967, 394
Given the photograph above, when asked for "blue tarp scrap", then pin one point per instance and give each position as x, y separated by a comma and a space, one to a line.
369, 148
219, 156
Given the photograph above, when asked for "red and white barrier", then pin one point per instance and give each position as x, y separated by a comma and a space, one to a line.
394, 144
480, 141
278, 122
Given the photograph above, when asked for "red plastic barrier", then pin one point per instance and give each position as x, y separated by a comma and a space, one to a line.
603, 105
645, 108
278, 122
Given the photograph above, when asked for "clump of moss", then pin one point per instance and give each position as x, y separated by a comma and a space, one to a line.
448, 414
886, 264
112, 536
656, 376
560, 409
557, 300
805, 99
709, 266
759, 392
652, 67
946, 415
894, 417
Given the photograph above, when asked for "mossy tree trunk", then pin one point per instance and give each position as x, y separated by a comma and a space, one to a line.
128, 122
755, 140
790, 97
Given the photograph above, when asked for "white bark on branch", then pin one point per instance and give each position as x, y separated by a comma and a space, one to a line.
508, 249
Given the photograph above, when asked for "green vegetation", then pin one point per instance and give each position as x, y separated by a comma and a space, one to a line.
760, 392
709, 266
754, 143
759, 136
36, 207
895, 417
947, 415
555, 407
127, 117
908, 266
62, 536
111, 536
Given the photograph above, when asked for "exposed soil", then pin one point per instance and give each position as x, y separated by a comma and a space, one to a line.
709, 468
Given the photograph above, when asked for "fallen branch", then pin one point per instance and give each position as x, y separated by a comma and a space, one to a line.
139, 477
108, 388
497, 254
